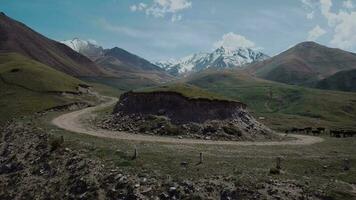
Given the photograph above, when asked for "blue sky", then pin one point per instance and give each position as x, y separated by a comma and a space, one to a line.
161, 29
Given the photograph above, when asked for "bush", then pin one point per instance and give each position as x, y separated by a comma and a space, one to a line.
171, 129
231, 130
274, 171
56, 143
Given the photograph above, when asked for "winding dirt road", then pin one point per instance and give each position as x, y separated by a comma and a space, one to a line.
73, 122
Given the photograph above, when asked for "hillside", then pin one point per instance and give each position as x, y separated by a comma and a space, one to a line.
283, 106
343, 81
17, 37
304, 64
132, 68
130, 59
27, 86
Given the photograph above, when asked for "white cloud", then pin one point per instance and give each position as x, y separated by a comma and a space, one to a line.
133, 8
93, 41
309, 6
315, 33
307, 3
348, 4
176, 18
343, 23
310, 15
161, 8
173, 5
234, 41
138, 7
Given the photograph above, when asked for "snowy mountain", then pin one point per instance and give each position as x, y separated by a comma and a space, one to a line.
114, 59
87, 48
219, 58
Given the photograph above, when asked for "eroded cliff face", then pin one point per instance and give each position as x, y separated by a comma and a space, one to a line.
178, 108
172, 114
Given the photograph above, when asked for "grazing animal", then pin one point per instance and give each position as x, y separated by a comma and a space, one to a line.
294, 130
316, 132
308, 130
322, 130
335, 133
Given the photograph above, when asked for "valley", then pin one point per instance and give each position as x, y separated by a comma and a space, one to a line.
82, 120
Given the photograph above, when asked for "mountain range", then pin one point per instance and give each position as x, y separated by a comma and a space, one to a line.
220, 58
305, 64
126, 69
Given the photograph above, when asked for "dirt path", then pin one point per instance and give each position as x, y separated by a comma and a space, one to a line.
73, 122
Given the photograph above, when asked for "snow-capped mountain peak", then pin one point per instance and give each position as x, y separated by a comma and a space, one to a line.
88, 48
221, 57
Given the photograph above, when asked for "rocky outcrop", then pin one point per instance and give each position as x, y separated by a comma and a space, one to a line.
172, 114
178, 108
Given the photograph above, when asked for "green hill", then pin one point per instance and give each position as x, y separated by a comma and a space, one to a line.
19, 70
27, 86
343, 81
283, 106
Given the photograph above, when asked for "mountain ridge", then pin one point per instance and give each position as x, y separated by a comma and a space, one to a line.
16, 37
219, 58
304, 64
127, 70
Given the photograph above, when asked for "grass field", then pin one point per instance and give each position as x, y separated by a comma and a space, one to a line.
283, 106
315, 166
27, 86
187, 90
124, 82
23, 72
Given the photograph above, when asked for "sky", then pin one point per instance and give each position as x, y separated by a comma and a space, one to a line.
164, 29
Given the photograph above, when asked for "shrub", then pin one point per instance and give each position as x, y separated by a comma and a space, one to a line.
231, 130
55, 143
274, 171
171, 129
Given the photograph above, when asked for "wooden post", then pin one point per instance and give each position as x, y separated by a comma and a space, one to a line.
346, 164
278, 162
135, 154
201, 158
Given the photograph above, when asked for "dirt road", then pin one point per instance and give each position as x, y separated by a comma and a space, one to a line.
73, 122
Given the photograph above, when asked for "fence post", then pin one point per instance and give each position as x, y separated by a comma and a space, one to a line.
278, 162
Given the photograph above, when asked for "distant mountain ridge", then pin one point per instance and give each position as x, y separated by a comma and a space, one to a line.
98, 54
16, 37
87, 48
304, 64
220, 58
127, 70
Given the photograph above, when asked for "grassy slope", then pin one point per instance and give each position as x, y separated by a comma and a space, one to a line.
33, 75
186, 90
124, 82
25, 91
284, 106
304, 64
343, 81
